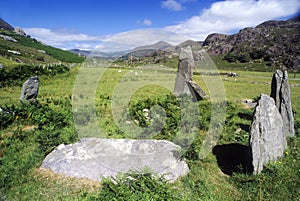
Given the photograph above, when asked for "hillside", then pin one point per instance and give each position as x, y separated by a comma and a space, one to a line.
22, 48
4, 25
276, 42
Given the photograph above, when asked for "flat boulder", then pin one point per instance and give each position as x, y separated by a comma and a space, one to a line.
94, 158
267, 139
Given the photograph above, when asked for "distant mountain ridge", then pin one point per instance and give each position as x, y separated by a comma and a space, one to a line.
157, 46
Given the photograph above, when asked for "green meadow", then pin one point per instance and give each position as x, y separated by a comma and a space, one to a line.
32, 131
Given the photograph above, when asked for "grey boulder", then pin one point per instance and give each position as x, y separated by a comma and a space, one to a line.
30, 90
94, 157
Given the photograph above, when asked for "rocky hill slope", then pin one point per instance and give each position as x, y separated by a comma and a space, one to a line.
4, 25
277, 42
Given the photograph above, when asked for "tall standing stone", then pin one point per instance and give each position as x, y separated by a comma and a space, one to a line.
280, 92
30, 90
276, 87
267, 139
185, 72
184, 83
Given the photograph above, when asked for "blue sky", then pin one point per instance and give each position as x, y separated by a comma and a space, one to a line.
114, 25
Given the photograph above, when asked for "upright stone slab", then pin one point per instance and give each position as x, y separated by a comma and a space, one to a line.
267, 140
280, 92
94, 157
185, 71
184, 83
30, 90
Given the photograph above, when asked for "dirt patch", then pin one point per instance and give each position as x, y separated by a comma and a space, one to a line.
77, 184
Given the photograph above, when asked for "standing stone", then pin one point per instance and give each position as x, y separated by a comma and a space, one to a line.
266, 135
184, 83
280, 92
276, 87
185, 72
30, 90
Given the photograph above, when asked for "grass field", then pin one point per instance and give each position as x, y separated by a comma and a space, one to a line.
34, 132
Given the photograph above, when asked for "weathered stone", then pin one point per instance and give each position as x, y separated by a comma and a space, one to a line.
8, 38
198, 93
276, 87
20, 31
184, 83
30, 90
286, 107
94, 157
185, 72
280, 92
267, 140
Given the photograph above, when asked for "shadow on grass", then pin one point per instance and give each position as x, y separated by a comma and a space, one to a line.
234, 158
245, 116
245, 127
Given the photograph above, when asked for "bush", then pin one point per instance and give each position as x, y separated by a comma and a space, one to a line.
17, 75
180, 115
21, 150
257, 54
136, 186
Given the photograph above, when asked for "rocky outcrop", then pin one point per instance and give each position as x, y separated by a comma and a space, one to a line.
30, 90
4, 25
280, 92
216, 43
267, 139
214, 38
8, 38
277, 42
19, 31
94, 157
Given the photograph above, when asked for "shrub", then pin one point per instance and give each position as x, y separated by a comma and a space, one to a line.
141, 186
17, 75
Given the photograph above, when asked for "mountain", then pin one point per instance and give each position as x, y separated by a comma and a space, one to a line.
276, 42
4, 25
161, 45
81, 52
190, 43
16, 46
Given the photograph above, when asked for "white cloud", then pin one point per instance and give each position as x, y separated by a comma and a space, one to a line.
223, 17
229, 16
63, 39
147, 22
108, 43
172, 5
135, 38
